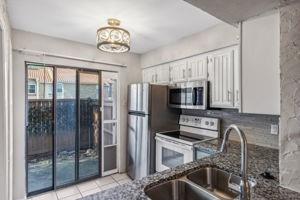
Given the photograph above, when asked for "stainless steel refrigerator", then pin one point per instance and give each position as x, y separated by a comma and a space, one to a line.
148, 113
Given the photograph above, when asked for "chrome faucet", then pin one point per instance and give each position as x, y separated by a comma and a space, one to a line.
244, 184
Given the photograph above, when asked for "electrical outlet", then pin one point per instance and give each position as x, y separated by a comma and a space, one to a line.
274, 129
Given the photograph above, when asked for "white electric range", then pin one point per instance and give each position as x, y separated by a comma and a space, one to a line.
176, 147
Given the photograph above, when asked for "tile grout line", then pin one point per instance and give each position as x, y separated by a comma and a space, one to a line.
56, 195
118, 180
80, 191
113, 178
107, 183
98, 187
68, 195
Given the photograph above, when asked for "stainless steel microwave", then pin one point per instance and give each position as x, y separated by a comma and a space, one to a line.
188, 95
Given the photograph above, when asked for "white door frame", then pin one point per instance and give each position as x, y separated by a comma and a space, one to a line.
6, 133
117, 121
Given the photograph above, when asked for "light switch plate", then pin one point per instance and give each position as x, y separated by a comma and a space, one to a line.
274, 129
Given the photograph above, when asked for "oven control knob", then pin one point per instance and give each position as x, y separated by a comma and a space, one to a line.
206, 123
212, 123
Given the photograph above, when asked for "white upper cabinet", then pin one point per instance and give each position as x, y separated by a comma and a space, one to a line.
221, 78
178, 71
261, 65
197, 68
157, 75
163, 74
149, 75
236, 78
221, 68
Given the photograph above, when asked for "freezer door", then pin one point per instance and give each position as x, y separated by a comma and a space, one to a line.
137, 147
138, 98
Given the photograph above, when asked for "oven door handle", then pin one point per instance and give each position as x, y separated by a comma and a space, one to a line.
177, 144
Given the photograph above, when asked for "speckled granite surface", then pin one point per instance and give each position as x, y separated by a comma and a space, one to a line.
259, 159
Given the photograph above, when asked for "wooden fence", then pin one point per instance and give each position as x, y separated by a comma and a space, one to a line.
40, 125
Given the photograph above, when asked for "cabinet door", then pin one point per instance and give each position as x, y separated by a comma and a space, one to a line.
153, 75
221, 79
237, 80
178, 71
149, 75
197, 68
146, 77
163, 74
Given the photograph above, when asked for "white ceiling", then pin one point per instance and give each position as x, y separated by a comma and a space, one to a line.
152, 23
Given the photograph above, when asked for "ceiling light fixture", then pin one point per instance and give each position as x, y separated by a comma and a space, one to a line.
112, 38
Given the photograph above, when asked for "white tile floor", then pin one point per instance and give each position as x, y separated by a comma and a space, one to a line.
85, 189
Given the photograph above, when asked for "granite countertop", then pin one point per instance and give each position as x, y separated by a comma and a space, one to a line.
260, 159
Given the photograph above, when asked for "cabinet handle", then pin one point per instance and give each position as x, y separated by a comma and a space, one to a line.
190, 72
156, 78
237, 95
229, 95
183, 73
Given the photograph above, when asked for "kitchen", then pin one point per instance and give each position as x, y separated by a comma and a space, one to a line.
170, 104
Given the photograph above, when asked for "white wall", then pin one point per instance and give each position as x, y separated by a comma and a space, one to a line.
5, 106
218, 36
260, 64
21, 40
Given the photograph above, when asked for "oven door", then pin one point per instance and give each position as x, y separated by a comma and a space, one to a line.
196, 96
170, 154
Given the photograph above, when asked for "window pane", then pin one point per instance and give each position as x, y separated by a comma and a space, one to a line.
110, 98
39, 128
31, 89
110, 133
65, 125
89, 125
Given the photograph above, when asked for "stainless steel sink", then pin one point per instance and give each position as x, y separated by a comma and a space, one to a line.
206, 183
218, 182
178, 190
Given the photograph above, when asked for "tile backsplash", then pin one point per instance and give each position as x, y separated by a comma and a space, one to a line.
256, 127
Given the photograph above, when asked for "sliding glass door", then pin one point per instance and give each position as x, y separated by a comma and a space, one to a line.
89, 120
63, 126
39, 128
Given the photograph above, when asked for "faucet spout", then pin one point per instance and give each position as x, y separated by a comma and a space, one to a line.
244, 184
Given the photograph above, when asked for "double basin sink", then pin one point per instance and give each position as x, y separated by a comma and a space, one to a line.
209, 183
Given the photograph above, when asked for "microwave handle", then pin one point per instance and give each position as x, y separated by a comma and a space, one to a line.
194, 96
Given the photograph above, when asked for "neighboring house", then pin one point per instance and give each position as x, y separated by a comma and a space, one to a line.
40, 84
